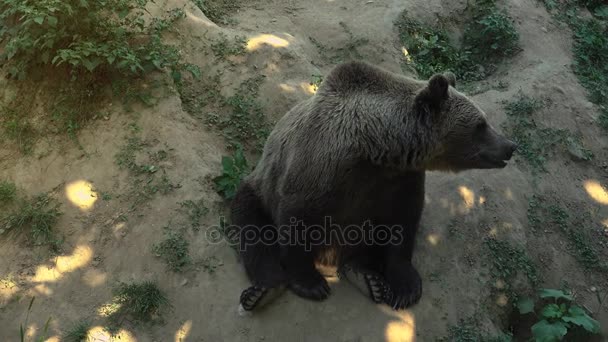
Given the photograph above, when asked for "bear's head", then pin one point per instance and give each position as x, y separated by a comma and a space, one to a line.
464, 137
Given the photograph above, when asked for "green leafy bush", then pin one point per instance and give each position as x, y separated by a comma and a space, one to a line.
488, 37
235, 168
87, 35
558, 318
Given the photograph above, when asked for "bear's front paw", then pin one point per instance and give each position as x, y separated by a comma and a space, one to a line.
405, 287
310, 285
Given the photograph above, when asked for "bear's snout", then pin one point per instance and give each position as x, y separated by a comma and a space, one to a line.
511, 149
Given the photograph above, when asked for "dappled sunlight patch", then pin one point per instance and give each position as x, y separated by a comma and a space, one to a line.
596, 191
482, 200
8, 288
502, 300
64, 264
94, 278
183, 332
109, 309
605, 223
308, 88
266, 39
406, 54
53, 339
43, 290
468, 197
119, 229
199, 20
99, 334
433, 239
81, 194
401, 330
509, 194
287, 88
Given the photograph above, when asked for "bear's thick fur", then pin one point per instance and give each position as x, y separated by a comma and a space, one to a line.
355, 155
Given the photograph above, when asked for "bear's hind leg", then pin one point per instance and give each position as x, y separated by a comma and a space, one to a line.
304, 279
260, 258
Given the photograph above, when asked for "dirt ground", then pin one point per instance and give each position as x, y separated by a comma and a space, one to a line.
101, 247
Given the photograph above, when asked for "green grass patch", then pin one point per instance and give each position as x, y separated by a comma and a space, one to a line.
36, 217
542, 215
195, 211
536, 142
79, 332
137, 302
8, 191
507, 261
489, 37
223, 47
173, 251
469, 330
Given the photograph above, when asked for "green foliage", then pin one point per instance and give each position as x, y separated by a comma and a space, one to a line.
316, 81
245, 123
535, 142
223, 47
591, 61
234, 169
141, 302
195, 211
79, 332
469, 330
17, 128
489, 37
508, 261
558, 317
36, 217
8, 191
88, 36
173, 251
542, 214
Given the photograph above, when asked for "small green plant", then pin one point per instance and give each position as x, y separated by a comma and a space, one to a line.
195, 211
245, 123
37, 217
8, 191
79, 332
140, 302
469, 330
558, 316
234, 169
223, 47
316, 81
17, 128
45, 329
173, 251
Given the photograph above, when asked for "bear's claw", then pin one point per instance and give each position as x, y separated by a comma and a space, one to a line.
369, 283
405, 289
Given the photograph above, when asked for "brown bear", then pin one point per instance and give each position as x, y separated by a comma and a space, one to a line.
344, 172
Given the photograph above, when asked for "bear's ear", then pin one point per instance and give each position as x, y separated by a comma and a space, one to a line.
435, 92
451, 78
